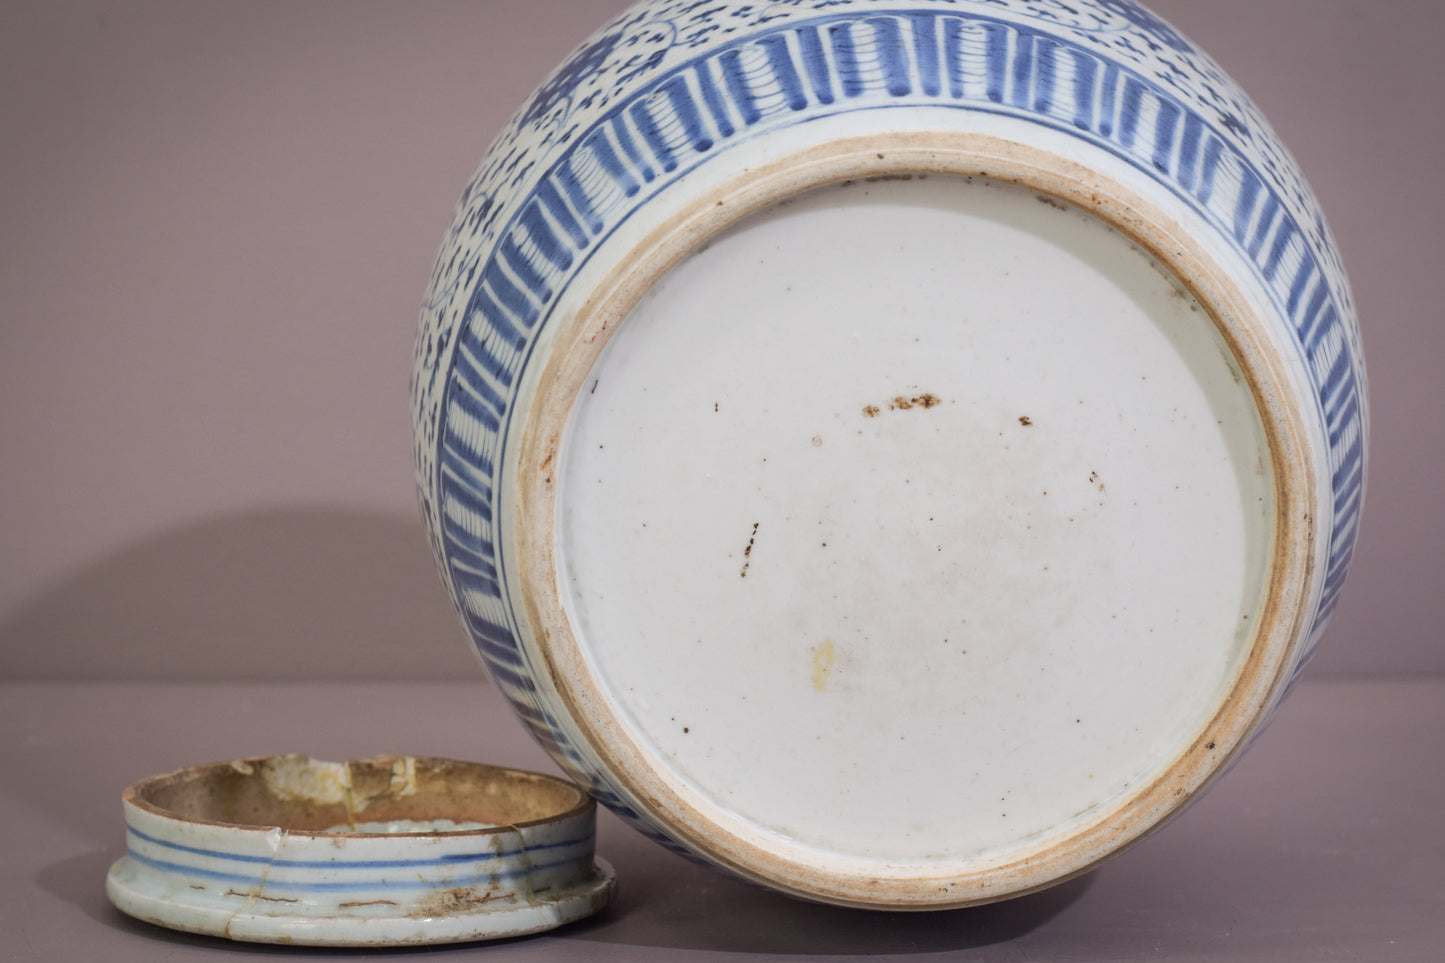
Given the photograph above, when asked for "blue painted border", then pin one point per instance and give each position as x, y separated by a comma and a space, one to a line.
355, 864
265, 882
804, 71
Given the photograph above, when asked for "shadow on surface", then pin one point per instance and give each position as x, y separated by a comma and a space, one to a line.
285, 594
665, 901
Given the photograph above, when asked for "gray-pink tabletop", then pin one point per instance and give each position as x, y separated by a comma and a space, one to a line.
1323, 844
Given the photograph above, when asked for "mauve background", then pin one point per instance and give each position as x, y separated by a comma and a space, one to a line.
217, 223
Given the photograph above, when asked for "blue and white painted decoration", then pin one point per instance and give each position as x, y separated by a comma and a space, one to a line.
405, 881
672, 88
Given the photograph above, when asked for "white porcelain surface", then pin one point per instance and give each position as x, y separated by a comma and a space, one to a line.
983, 533
891, 541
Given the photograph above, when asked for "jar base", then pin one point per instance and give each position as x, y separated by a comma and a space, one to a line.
951, 514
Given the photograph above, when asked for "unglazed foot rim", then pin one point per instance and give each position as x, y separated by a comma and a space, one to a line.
659, 774
257, 850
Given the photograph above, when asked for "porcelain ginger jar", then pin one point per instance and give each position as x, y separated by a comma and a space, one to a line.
896, 452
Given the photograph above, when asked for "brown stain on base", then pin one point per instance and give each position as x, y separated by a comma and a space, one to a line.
461, 899
268, 899
905, 403
748, 552
925, 401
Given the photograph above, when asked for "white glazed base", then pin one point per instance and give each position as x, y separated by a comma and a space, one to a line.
945, 515
915, 541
